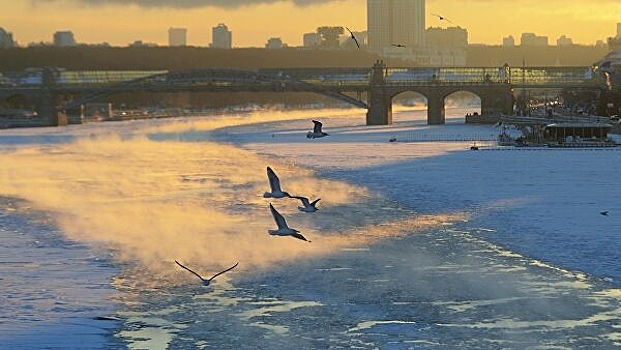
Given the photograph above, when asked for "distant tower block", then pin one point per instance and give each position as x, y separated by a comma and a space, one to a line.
222, 38
177, 37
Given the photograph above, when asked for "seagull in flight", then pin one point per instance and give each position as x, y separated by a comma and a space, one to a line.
353, 37
398, 45
275, 190
283, 228
206, 281
308, 206
317, 132
442, 18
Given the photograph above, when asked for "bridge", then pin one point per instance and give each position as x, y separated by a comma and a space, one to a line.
370, 88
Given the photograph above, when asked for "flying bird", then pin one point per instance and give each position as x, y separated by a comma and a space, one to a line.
308, 206
317, 132
353, 37
442, 18
206, 281
275, 190
605, 213
398, 45
283, 228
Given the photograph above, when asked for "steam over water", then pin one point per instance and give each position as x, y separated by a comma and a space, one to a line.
138, 195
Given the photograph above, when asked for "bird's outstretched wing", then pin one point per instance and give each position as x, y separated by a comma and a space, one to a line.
305, 201
299, 236
280, 220
196, 274
442, 18
317, 126
353, 37
273, 179
223, 271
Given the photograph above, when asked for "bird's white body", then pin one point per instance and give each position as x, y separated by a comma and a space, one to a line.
307, 206
283, 228
206, 281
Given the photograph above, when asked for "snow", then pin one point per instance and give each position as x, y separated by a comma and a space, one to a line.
418, 243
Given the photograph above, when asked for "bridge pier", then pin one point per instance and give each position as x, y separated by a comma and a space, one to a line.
380, 110
435, 107
47, 100
380, 103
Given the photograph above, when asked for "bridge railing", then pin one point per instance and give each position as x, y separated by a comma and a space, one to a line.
34, 77
323, 76
355, 77
553, 76
446, 75
101, 77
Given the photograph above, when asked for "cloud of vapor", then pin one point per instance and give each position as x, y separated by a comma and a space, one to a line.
182, 4
181, 197
153, 202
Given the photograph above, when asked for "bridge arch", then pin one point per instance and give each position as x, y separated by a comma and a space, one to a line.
466, 101
495, 100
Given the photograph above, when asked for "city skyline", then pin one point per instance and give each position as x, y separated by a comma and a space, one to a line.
119, 23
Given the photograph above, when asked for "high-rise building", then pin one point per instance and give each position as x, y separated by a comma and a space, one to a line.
64, 38
177, 36
395, 22
221, 37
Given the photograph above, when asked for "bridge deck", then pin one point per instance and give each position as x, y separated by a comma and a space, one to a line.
530, 77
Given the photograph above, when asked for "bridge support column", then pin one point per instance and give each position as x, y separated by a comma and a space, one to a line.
47, 100
435, 108
380, 105
380, 110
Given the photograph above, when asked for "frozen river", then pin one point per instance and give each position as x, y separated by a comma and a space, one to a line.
419, 243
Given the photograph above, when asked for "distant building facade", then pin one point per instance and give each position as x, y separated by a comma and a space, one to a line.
274, 43
221, 37
140, 43
446, 37
177, 36
64, 38
531, 39
508, 41
6, 39
395, 22
311, 40
564, 41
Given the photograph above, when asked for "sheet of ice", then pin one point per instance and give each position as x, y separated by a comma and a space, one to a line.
415, 242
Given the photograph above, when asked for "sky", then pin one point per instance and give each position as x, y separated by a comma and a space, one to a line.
253, 22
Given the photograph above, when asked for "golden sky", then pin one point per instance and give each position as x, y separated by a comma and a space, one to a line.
120, 22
